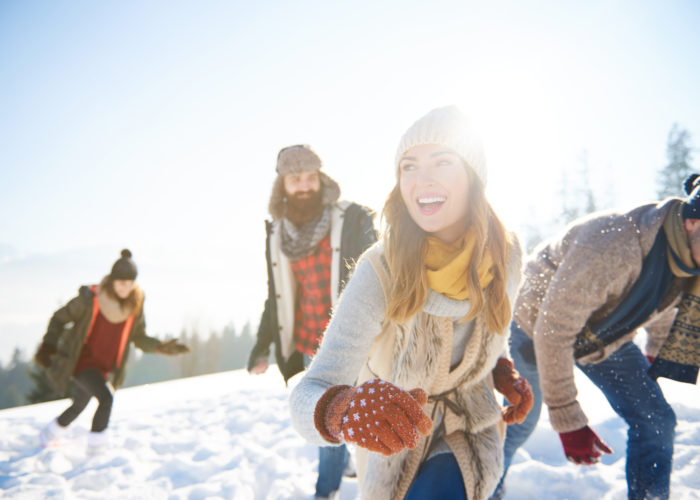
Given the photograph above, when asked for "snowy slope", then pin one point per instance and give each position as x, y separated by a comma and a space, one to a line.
228, 436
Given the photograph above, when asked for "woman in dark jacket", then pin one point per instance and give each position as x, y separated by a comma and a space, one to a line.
105, 318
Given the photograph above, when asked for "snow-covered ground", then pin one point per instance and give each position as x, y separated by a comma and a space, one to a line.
227, 436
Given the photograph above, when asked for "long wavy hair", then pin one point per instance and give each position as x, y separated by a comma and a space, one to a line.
133, 303
405, 245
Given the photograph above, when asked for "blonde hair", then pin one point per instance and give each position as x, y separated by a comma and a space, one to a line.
405, 245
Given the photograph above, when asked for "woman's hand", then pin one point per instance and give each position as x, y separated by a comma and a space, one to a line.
376, 415
515, 389
172, 347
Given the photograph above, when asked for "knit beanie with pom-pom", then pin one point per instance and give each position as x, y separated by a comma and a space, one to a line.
124, 268
691, 205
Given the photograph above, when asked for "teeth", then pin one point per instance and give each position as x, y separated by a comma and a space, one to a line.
432, 199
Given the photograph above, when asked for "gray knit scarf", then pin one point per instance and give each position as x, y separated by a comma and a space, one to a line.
298, 243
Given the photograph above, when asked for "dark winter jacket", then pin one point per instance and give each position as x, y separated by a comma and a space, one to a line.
352, 232
67, 331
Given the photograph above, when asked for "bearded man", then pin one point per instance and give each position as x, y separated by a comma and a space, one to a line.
312, 242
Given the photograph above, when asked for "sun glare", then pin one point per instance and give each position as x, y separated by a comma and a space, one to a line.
526, 146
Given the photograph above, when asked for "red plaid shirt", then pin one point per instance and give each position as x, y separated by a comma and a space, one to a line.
312, 312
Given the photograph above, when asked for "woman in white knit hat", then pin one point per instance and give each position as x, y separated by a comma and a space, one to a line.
418, 339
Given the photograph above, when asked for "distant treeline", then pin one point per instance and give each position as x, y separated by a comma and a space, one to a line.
22, 382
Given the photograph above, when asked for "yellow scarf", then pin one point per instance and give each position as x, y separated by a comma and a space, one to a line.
447, 266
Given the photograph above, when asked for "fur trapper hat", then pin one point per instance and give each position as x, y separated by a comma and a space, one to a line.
447, 126
293, 160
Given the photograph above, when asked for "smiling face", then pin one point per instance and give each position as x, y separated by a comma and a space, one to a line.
123, 288
434, 186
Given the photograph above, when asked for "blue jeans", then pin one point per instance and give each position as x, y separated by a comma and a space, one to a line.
438, 478
634, 396
331, 462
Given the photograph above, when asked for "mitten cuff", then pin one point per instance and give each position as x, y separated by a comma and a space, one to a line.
504, 369
326, 418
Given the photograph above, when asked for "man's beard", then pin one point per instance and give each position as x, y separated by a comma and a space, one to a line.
302, 210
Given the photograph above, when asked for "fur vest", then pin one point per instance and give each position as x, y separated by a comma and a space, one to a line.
417, 353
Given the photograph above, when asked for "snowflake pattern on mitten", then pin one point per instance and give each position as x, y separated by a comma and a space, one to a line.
381, 417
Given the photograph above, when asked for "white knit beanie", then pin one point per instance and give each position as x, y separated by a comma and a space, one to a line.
447, 126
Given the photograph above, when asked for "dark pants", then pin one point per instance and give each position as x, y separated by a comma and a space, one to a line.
634, 396
438, 478
90, 383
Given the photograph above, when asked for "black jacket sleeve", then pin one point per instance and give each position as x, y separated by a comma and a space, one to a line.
268, 320
139, 337
261, 349
72, 312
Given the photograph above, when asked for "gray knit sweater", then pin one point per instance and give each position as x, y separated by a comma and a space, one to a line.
357, 320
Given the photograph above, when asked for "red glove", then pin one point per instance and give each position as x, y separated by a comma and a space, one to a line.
516, 390
376, 415
583, 446
44, 353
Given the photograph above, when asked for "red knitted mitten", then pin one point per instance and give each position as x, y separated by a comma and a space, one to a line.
516, 390
583, 446
376, 415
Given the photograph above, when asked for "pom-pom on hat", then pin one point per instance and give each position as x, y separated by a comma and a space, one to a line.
447, 126
124, 268
691, 206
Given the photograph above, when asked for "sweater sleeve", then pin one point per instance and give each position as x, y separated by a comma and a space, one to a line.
356, 321
586, 279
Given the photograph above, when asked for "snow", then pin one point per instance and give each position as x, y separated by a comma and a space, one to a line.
227, 436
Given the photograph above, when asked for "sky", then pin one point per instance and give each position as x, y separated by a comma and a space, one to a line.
155, 126
228, 436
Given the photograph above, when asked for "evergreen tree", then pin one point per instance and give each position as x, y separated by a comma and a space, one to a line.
679, 155
579, 200
148, 368
14, 382
235, 347
189, 362
42, 390
212, 354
